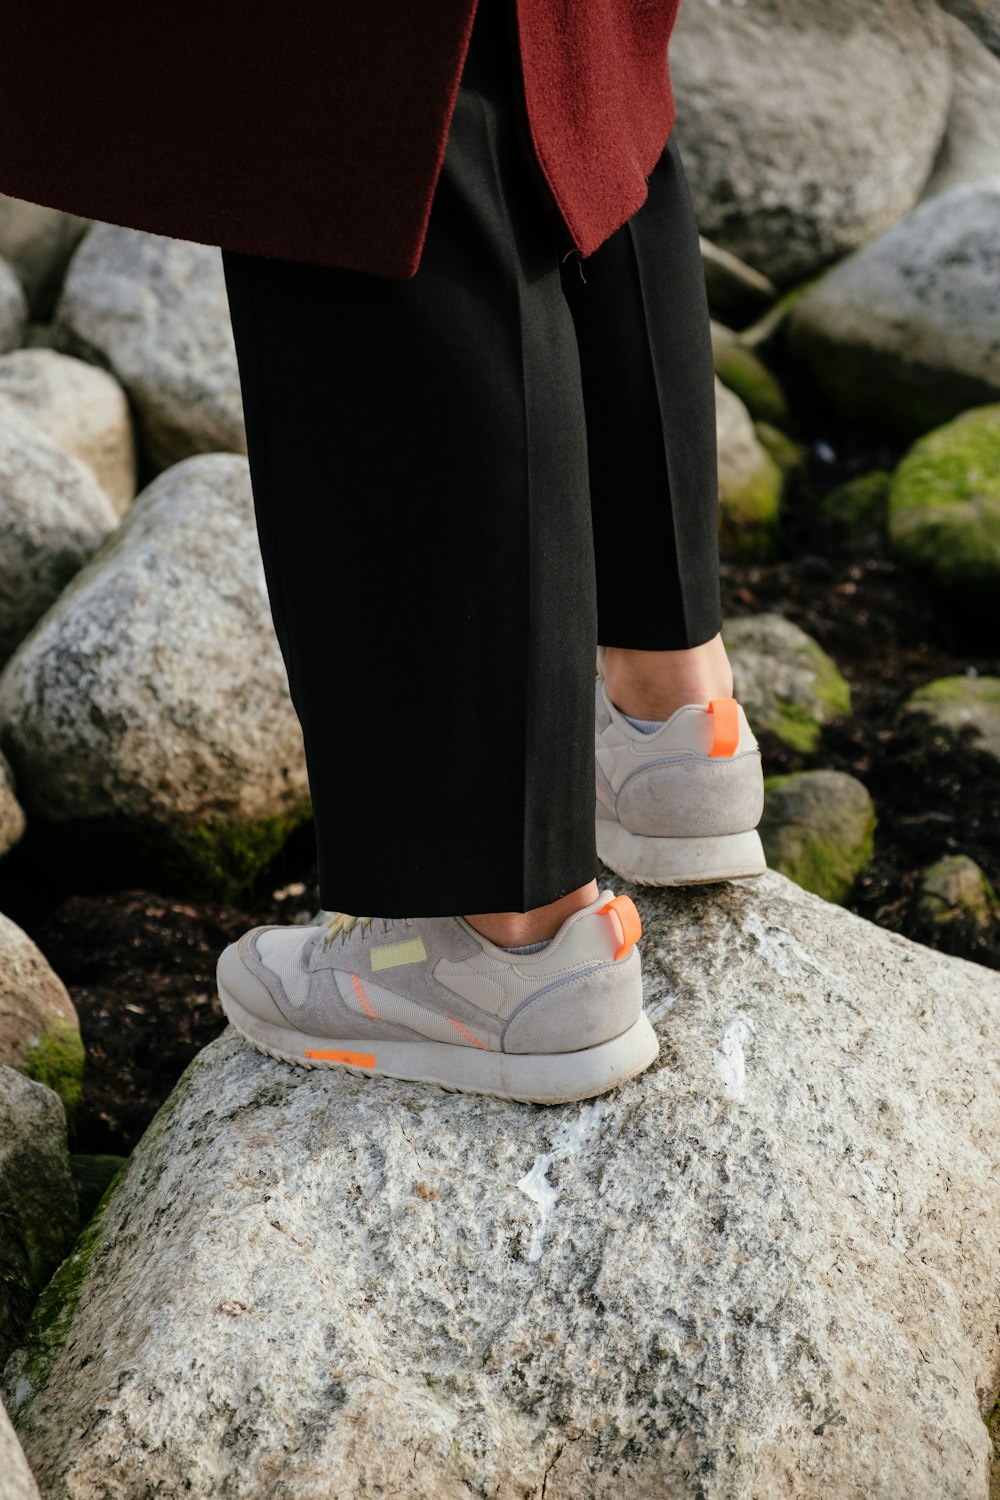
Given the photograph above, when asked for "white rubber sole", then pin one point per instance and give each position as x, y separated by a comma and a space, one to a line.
531, 1078
659, 861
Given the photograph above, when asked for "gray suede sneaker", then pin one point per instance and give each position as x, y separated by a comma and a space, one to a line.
679, 806
430, 999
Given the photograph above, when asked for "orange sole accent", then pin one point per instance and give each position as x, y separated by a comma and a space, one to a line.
357, 1059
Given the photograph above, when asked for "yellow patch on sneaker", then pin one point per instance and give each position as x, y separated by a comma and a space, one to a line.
392, 955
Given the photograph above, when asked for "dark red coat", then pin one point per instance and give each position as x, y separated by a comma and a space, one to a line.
315, 131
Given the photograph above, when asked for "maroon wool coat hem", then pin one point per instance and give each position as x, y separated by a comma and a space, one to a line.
316, 132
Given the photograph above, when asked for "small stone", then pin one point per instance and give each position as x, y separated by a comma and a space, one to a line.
818, 829
784, 679
750, 483
53, 517
744, 372
955, 892
944, 508
38, 1208
12, 819
79, 409
39, 1029
966, 707
38, 243
13, 310
736, 292
154, 311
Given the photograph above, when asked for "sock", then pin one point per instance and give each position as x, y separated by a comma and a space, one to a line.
644, 726
531, 947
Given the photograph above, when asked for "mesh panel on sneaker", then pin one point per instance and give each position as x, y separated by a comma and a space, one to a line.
379, 1004
286, 951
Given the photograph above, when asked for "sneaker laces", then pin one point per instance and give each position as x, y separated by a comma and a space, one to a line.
344, 926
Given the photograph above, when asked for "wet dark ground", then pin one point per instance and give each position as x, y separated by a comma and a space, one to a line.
140, 964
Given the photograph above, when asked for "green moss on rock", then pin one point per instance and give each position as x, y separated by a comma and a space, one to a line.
818, 829
56, 1058
220, 857
750, 513
745, 373
960, 708
860, 506
944, 505
53, 1315
785, 451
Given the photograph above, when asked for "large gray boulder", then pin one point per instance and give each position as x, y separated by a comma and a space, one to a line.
78, 408
38, 1208
154, 311
39, 1028
763, 1268
781, 106
971, 146
13, 310
38, 242
147, 718
53, 516
905, 333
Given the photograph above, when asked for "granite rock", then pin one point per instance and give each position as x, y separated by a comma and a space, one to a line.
766, 1267
785, 680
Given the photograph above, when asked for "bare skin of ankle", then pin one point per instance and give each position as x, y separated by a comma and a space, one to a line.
653, 684
516, 929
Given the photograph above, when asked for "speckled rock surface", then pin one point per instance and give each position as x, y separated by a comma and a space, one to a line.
154, 311
149, 715
38, 242
818, 829
39, 1028
779, 107
971, 145
13, 309
53, 516
750, 482
78, 408
17, 1482
784, 679
766, 1267
38, 1207
905, 332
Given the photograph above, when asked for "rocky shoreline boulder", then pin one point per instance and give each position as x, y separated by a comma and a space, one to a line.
785, 680
154, 311
147, 717
39, 1028
765, 1267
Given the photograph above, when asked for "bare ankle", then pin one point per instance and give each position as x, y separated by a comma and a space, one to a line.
654, 684
517, 929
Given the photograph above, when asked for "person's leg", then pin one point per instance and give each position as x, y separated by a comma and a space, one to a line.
678, 772
418, 455
642, 322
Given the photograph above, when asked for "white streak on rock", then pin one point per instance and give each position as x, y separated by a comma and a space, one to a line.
571, 1135
730, 1058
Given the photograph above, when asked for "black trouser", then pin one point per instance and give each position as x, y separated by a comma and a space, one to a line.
462, 482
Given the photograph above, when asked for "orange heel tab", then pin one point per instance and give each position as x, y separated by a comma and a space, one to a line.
625, 918
726, 735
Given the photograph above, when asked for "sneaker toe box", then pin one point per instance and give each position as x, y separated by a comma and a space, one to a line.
239, 983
